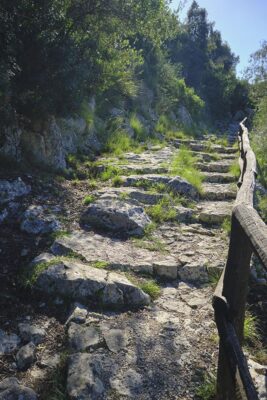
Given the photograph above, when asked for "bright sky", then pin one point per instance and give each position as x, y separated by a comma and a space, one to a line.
242, 23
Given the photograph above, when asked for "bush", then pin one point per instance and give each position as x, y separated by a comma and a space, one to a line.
119, 143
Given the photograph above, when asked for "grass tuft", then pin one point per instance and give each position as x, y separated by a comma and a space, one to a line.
226, 225
138, 128
183, 165
119, 143
251, 334
151, 288
235, 170
88, 199
207, 390
162, 211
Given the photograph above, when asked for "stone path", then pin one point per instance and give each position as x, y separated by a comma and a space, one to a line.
163, 350
125, 341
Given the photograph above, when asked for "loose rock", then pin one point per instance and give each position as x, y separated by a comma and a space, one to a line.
10, 389
26, 356
36, 220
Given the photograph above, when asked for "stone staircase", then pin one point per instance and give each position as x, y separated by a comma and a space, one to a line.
122, 342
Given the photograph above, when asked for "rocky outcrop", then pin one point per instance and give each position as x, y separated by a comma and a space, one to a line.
117, 216
80, 282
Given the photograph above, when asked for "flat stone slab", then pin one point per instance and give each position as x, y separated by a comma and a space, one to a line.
80, 282
128, 193
118, 216
117, 254
217, 166
217, 191
83, 338
116, 339
217, 177
214, 212
9, 342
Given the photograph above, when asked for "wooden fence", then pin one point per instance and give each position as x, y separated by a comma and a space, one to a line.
248, 235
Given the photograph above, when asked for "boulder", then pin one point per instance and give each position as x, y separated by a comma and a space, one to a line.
8, 342
36, 220
26, 356
10, 389
80, 282
9, 190
118, 216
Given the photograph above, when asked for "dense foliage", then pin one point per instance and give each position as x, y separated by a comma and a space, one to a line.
257, 75
56, 54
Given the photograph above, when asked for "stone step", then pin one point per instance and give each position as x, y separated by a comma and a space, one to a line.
204, 146
216, 177
218, 166
115, 254
216, 191
130, 193
70, 278
214, 212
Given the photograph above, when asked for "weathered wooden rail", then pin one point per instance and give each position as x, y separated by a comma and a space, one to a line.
248, 235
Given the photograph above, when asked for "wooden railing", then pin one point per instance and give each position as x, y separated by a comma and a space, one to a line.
248, 235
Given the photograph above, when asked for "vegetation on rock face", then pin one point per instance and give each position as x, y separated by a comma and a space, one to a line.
136, 59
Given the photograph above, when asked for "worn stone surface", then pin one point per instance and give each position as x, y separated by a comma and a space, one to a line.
10, 190
80, 282
78, 314
83, 337
10, 389
118, 216
116, 339
118, 254
217, 177
216, 191
9, 342
26, 356
31, 333
214, 212
129, 193
217, 166
37, 220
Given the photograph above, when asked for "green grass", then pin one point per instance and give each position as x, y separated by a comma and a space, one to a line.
119, 143
59, 234
117, 181
163, 124
207, 390
92, 184
183, 165
109, 173
100, 264
262, 205
226, 225
138, 128
151, 288
151, 244
88, 199
251, 334
214, 276
162, 211
235, 170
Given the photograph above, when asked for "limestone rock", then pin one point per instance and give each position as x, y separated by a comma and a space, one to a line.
128, 383
180, 186
165, 269
193, 272
83, 337
214, 212
80, 282
117, 216
26, 356
8, 342
9, 190
31, 333
78, 314
36, 220
258, 373
86, 376
10, 389
116, 339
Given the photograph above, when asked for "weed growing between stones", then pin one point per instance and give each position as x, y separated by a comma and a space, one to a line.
100, 264
88, 199
184, 165
119, 143
151, 288
92, 184
207, 390
214, 276
117, 181
162, 211
151, 243
253, 339
262, 206
110, 172
138, 128
226, 225
235, 170
56, 386
58, 234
